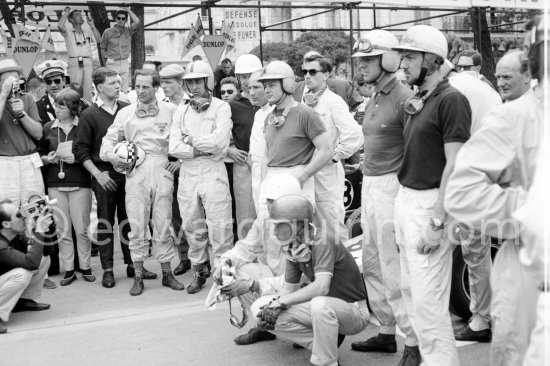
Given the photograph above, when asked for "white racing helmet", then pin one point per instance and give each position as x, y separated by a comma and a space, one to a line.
200, 70
279, 70
424, 38
379, 42
133, 154
247, 64
281, 185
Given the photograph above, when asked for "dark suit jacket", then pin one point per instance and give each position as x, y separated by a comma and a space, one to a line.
46, 111
339, 86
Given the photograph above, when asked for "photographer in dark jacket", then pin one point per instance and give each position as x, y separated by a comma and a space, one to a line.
22, 271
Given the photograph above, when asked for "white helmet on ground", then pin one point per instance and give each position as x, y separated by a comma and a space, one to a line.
279, 70
424, 38
247, 64
132, 153
200, 70
281, 185
379, 42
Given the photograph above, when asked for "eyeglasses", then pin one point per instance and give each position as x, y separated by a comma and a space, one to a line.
464, 67
234, 320
50, 81
312, 72
229, 91
120, 18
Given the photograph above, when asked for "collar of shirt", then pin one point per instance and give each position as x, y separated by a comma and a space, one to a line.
56, 122
101, 104
52, 101
387, 83
442, 85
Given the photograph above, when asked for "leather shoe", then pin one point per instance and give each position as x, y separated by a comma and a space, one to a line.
3, 328
108, 280
169, 280
254, 335
137, 287
29, 305
467, 334
49, 284
183, 267
411, 356
384, 343
68, 279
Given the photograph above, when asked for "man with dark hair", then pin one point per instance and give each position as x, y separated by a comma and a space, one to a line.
79, 48
339, 86
224, 70
513, 75
22, 266
470, 61
146, 124
438, 123
108, 185
229, 88
116, 44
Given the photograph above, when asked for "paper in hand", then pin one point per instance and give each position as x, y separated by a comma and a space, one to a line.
65, 150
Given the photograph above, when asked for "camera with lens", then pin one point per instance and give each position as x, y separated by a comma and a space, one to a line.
36, 204
18, 89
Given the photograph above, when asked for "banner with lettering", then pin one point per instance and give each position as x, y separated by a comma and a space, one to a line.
213, 46
229, 36
193, 40
199, 28
25, 53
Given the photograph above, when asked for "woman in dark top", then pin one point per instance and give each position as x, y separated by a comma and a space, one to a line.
69, 183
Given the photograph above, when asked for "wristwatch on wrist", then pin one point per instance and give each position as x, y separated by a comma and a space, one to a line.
436, 223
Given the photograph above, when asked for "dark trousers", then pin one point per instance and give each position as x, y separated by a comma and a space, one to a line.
107, 203
229, 168
180, 240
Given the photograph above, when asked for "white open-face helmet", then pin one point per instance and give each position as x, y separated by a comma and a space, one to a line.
200, 70
281, 185
424, 38
379, 42
247, 64
279, 70
132, 153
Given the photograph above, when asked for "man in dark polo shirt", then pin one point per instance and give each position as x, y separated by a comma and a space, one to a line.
333, 304
19, 129
107, 184
383, 130
437, 126
242, 115
22, 265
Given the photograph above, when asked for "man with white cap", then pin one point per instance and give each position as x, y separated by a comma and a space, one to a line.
242, 115
345, 139
293, 132
383, 125
79, 48
199, 136
19, 129
338, 86
172, 84
148, 186
438, 124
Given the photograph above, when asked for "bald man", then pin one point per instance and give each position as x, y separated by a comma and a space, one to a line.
513, 76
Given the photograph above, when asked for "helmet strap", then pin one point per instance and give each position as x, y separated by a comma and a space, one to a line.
423, 72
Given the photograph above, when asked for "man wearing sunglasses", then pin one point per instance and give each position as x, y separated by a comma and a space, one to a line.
54, 74
22, 266
116, 44
383, 125
345, 138
438, 124
229, 88
334, 303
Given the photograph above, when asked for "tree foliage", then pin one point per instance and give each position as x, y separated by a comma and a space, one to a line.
331, 44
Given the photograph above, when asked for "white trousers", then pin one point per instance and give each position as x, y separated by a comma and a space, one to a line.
20, 177
122, 67
316, 324
73, 210
537, 352
425, 278
82, 75
21, 283
244, 203
149, 199
513, 306
381, 267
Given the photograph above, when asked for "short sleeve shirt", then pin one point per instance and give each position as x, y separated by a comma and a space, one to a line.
333, 259
79, 44
291, 144
383, 127
445, 118
14, 139
117, 42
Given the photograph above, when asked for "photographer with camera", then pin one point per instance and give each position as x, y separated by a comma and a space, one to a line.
19, 128
22, 266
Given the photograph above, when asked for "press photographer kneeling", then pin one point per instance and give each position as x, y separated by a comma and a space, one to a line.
22, 266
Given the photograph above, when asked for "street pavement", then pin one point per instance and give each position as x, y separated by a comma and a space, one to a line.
91, 325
